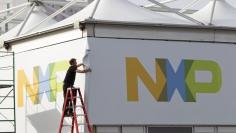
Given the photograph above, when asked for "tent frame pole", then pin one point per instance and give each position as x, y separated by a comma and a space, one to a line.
13, 8
52, 9
54, 14
62, 3
94, 10
13, 16
163, 2
212, 12
26, 19
177, 12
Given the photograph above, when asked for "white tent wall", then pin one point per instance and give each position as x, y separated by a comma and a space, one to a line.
108, 45
41, 64
147, 43
109, 103
104, 44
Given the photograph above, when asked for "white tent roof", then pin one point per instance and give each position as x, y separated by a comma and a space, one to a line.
36, 16
125, 11
224, 14
121, 10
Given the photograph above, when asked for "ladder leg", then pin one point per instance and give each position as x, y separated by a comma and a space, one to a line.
85, 112
73, 99
76, 123
73, 123
74, 111
63, 112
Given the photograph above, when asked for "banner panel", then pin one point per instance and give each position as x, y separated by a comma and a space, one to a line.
161, 82
40, 72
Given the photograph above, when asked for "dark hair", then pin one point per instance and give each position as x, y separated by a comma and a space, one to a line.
72, 61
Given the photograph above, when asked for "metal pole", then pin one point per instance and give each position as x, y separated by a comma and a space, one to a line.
52, 9
162, 2
167, 1
14, 89
62, 3
53, 15
94, 10
176, 12
212, 11
6, 25
26, 19
12, 17
13, 8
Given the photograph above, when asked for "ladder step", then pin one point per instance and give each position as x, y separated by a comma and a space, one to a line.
12, 132
6, 80
81, 115
7, 96
70, 107
68, 116
81, 124
72, 98
7, 108
5, 86
67, 125
79, 106
7, 120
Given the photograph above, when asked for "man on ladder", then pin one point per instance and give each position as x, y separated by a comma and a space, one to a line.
69, 81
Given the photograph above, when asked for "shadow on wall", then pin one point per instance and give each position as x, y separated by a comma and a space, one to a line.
47, 121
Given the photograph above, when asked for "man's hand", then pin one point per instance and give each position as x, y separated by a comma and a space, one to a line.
86, 69
81, 64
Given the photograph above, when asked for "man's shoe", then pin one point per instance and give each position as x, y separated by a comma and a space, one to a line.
67, 114
71, 113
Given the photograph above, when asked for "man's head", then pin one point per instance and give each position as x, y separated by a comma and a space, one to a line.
73, 62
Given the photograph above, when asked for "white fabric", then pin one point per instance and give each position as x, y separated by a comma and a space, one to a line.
36, 17
122, 10
224, 14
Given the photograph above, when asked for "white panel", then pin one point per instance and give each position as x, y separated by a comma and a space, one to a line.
52, 63
108, 129
225, 36
133, 129
108, 97
118, 31
226, 129
46, 40
204, 129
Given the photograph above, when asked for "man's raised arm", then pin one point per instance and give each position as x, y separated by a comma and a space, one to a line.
85, 70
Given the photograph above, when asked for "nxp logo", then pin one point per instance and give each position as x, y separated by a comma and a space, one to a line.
168, 80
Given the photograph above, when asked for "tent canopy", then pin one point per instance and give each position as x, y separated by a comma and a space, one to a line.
216, 12
36, 16
223, 14
121, 11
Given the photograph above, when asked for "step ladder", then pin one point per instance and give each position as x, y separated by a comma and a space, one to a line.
71, 95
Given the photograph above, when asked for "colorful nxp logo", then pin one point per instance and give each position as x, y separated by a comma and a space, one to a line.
43, 83
168, 80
